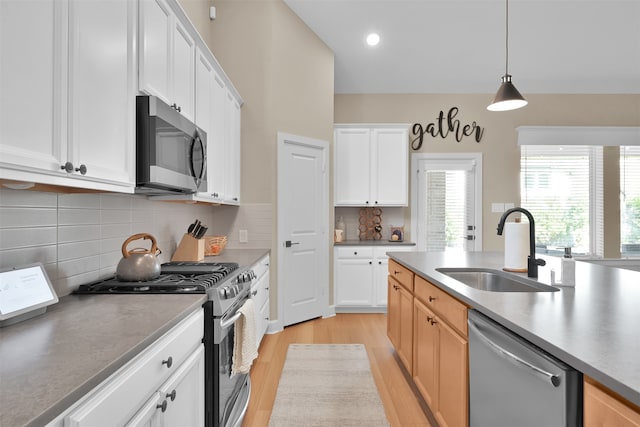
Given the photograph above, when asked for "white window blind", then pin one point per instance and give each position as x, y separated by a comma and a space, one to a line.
630, 201
447, 205
561, 185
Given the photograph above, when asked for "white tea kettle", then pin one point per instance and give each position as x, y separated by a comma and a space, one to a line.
139, 264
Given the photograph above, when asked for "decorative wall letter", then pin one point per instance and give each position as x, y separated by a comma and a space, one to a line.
445, 125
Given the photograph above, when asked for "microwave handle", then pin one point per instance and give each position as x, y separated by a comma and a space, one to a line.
198, 140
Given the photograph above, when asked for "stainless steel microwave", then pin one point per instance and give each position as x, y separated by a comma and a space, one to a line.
171, 151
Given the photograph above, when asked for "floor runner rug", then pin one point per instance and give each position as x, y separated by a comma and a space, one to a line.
327, 385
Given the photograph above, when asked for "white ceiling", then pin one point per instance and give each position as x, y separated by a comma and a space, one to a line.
458, 46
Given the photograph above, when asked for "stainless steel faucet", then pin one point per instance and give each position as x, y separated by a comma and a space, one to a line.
532, 262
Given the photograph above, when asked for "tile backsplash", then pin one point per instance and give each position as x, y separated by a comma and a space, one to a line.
78, 237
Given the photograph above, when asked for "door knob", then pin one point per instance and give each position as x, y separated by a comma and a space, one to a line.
289, 243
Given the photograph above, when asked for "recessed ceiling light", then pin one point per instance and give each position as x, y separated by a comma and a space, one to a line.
373, 39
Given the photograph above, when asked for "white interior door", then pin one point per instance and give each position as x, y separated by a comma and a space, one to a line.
447, 201
303, 217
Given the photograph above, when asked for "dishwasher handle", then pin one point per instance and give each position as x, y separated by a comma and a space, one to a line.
555, 379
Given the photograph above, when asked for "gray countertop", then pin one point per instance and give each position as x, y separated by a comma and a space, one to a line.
373, 243
49, 362
244, 257
592, 327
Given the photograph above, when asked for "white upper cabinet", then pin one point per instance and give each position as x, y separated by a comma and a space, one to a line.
167, 57
67, 111
102, 83
232, 145
155, 32
390, 166
193, 80
183, 64
218, 114
371, 165
28, 70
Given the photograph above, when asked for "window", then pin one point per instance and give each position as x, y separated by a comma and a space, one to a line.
561, 185
630, 201
447, 199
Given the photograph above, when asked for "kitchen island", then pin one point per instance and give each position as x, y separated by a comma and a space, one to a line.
592, 327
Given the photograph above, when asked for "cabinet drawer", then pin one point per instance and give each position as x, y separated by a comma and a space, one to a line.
355, 252
449, 308
117, 399
401, 274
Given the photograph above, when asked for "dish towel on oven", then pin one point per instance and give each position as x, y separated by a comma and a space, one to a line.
244, 341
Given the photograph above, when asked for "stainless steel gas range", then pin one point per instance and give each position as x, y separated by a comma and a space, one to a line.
227, 286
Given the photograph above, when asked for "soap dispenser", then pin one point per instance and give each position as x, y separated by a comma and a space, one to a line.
568, 269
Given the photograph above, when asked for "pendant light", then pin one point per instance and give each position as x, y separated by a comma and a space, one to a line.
507, 98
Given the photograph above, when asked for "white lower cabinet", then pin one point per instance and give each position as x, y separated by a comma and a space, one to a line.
162, 386
180, 401
360, 277
260, 296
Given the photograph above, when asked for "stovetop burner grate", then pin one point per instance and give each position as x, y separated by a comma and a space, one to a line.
194, 281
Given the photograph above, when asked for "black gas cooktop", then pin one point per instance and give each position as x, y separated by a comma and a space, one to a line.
176, 278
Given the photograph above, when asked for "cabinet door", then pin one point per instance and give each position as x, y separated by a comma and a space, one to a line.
31, 85
354, 282
102, 90
380, 269
232, 150
150, 413
183, 70
425, 352
393, 311
352, 163
184, 393
601, 408
405, 348
400, 322
390, 167
452, 407
204, 93
155, 41
216, 164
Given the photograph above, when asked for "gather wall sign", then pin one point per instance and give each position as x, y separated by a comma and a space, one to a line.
444, 126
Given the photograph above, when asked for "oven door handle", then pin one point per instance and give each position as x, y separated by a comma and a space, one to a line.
224, 324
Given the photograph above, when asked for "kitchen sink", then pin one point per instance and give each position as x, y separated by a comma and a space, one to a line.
486, 279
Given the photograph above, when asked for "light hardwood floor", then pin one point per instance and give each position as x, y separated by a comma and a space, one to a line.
401, 405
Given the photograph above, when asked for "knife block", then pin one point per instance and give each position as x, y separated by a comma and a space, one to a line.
189, 249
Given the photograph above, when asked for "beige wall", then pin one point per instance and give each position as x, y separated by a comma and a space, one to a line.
501, 154
284, 74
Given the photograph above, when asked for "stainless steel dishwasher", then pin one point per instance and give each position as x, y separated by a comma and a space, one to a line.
513, 383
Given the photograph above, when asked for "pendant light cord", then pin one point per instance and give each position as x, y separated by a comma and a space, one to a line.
506, 48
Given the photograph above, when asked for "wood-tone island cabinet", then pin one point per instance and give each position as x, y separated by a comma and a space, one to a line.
603, 407
428, 328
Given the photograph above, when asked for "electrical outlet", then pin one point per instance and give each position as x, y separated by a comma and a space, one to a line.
243, 236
